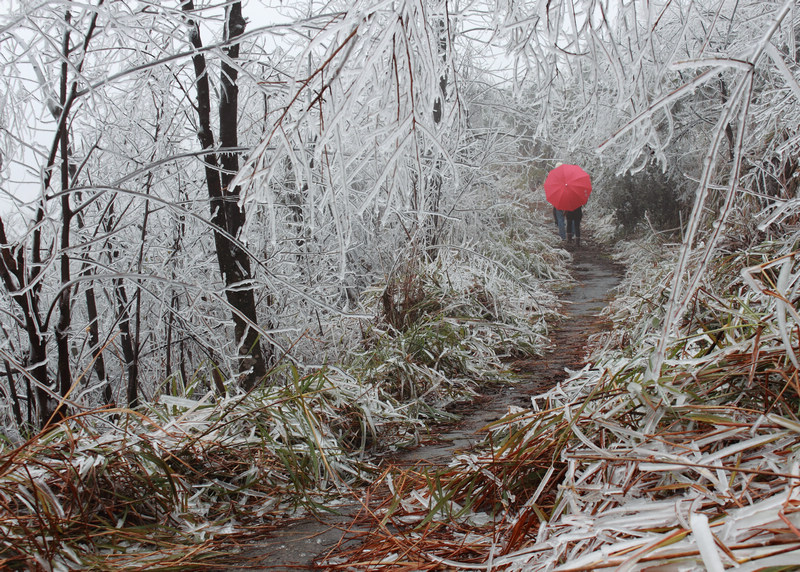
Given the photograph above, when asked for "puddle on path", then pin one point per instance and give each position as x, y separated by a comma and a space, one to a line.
303, 541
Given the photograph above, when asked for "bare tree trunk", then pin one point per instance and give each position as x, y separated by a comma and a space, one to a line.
12, 389
14, 276
127, 342
16, 408
34, 326
237, 264
234, 264
94, 342
93, 326
64, 371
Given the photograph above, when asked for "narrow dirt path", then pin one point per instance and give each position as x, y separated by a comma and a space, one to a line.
303, 542
596, 276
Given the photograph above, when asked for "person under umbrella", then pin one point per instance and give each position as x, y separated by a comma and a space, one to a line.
567, 188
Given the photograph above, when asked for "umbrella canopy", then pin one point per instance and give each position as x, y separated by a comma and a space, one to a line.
567, 187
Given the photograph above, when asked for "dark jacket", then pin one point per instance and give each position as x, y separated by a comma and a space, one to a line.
575, 215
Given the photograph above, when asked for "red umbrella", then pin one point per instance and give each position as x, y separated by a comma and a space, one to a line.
567, 187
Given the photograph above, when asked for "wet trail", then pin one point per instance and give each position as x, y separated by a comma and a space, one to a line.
302, 542
596, 276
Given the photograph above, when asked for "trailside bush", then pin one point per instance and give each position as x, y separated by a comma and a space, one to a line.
649, 196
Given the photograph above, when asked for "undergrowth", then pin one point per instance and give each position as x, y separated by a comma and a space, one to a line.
177, 482
613, 468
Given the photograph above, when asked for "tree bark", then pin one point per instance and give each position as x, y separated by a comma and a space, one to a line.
64, 371
13, 273
38, 354
92, 315
94, 342
233, 262
129, 350
12, 392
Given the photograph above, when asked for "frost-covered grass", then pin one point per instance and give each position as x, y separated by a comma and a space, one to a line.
173, 483
444, 325
139, 488
696, 469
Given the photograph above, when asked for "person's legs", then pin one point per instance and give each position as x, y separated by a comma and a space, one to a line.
561, 225
570, 226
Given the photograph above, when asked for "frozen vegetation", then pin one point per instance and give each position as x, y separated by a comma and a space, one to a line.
245, 247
